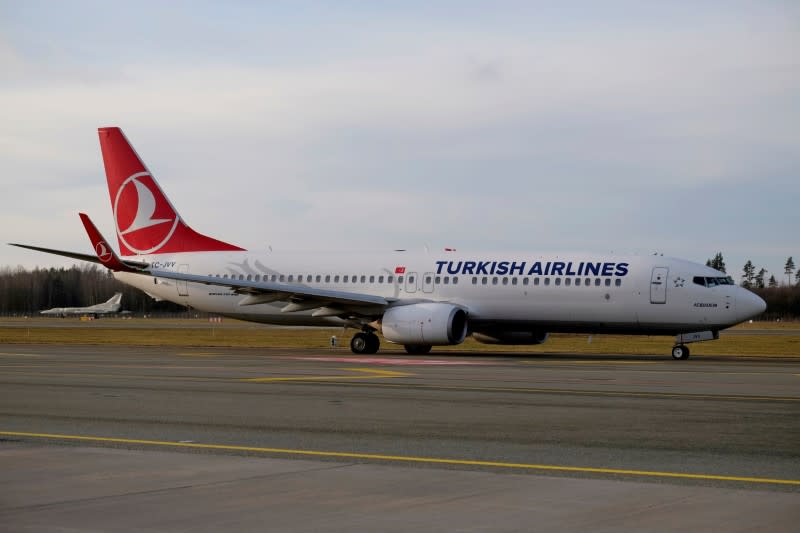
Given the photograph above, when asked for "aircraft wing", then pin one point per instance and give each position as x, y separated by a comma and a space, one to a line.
79, 256
300, 297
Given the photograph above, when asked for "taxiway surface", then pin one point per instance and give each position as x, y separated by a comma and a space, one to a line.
624, 441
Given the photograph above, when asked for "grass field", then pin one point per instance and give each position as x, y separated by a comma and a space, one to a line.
154, 332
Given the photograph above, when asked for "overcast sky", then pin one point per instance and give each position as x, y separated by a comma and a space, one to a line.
564, 126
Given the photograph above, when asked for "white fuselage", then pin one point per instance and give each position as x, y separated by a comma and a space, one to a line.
499, 291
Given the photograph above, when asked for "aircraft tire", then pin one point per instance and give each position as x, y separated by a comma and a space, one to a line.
680, 352
373, 343
417, 349
360, 343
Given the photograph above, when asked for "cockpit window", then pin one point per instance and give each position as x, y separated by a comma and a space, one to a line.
712, 282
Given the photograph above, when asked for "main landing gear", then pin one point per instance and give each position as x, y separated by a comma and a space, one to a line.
680, 352
365, 342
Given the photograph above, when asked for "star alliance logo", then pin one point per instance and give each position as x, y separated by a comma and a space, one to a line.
679, 282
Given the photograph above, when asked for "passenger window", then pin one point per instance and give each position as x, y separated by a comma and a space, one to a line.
568, 282
617, 282
513, 281
535, 281
389, 279
345, 279
363, 279
505, 281
558, 282
494, 281
438, 280
249, 277
587, 282
281, 278
354, 279
241, 277
547, 281
336, 278
525, 281
428, 280
446, 280
596, 282
474, 280
455, 280
291, 278
577, 282
399, 280
224, 276
484, 280
372, 279
608, 282
380, 279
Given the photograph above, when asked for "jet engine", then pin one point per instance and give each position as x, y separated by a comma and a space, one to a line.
511, 337
432, 324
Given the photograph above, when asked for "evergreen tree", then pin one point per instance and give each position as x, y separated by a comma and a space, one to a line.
749, 274
797, 278
773, 282
718, 263
759, 280
788, 269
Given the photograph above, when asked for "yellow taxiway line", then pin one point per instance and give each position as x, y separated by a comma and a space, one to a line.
365, 373
408, 459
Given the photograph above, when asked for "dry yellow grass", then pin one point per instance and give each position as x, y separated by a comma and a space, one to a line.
237, 334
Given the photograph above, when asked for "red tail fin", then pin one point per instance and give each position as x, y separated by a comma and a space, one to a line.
146, 221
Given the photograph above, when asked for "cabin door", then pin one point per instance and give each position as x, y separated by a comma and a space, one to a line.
658, 285
183, 286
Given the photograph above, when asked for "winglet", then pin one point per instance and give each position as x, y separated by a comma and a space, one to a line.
108, 258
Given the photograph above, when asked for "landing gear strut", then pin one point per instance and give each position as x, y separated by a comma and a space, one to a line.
365, 343
680, 352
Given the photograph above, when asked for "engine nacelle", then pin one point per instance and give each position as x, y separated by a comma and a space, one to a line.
511, 337
433, 324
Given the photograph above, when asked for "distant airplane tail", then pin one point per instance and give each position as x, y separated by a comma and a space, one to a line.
146, 221
116, 299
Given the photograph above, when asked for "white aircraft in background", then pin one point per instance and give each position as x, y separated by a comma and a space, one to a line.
106, 308
417, 300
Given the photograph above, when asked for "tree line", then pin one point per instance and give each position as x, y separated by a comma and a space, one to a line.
782, 297
26, 292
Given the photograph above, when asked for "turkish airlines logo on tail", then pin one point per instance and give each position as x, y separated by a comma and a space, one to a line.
103, 251
145, 220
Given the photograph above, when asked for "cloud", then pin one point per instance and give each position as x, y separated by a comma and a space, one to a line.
502, 134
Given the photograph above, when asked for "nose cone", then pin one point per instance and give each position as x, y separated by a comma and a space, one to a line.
749, 305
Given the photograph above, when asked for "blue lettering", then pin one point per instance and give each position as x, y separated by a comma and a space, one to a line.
536, 268
517, 269
481, 268
608, 269
439, 266
502, 268
558, 269
592, 269
469, 267
570, 272
494, 264
622, 269
453, 269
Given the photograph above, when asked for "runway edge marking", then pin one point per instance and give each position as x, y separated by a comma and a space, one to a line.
407, 459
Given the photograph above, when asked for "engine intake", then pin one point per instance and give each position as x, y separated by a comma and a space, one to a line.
433, 324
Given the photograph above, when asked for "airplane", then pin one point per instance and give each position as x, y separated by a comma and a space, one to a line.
111, 306
417, 300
